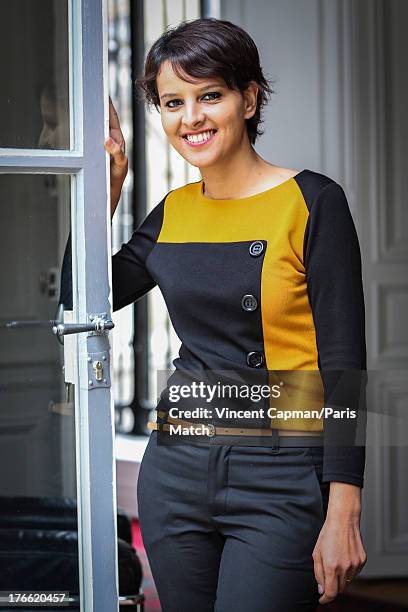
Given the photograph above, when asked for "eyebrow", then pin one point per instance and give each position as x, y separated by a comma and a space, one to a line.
171, 95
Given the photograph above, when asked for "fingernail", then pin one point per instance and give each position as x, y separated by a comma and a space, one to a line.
109, 141
320, 588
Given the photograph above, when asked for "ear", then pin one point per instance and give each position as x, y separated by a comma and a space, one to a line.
250, 95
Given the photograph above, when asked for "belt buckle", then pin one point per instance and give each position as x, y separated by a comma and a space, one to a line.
210, 430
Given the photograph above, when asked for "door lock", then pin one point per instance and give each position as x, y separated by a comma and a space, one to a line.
98, 369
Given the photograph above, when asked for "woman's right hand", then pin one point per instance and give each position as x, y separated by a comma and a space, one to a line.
115, 146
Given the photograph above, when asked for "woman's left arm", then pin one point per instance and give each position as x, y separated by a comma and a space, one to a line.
334, 282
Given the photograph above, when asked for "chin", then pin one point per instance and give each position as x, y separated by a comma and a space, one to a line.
202, 161
197, 159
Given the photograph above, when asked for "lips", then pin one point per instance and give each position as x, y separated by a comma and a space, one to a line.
199, 138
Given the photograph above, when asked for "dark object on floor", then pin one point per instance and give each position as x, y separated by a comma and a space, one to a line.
39, 546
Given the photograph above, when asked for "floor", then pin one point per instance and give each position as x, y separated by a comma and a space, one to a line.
392, 590
352, 603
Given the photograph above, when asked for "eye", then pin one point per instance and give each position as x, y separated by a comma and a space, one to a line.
214, 95
169, 104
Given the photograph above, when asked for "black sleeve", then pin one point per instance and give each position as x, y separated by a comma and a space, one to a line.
130, 278
335, 289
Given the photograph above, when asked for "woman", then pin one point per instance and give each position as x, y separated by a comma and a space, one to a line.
261, 272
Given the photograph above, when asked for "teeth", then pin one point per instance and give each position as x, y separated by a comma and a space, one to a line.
200, 137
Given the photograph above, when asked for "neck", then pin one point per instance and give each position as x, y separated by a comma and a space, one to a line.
234, 177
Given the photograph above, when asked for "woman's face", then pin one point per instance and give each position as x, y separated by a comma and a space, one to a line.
204, 120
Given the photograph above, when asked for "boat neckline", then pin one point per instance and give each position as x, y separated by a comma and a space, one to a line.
254, 196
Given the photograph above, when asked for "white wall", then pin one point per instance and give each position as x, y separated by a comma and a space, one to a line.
289, 38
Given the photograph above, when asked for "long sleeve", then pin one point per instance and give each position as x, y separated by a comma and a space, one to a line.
334, 283
130, 277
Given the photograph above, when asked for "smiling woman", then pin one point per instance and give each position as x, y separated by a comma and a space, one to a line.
260, 270
230, 55
204, 122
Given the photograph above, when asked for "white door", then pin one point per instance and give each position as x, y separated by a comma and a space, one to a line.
58, 489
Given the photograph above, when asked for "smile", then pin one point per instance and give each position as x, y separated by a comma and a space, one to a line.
197, 140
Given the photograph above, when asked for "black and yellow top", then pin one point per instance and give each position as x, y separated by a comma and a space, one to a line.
270, 282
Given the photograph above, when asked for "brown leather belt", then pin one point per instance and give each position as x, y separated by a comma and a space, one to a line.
211, 430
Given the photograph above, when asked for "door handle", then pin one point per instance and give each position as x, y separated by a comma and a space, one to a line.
97, 324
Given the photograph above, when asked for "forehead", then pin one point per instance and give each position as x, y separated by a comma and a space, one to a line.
168, 81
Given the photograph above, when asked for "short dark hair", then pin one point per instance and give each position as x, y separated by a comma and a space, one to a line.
208, 47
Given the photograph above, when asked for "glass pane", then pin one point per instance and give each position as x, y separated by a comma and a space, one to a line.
38, 496
34, 75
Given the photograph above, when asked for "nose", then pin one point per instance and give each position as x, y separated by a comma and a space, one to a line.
193, 114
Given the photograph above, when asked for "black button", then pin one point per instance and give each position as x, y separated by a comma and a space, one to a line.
249, 303
255, 359
256, 248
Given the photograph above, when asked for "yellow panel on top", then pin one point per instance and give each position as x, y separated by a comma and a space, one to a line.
277, 216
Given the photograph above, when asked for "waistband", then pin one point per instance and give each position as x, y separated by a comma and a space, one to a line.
236, 435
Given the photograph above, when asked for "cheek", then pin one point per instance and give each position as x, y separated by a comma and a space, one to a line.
169, 124
228, 117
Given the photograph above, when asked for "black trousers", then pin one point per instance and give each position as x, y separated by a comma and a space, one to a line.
232, 528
